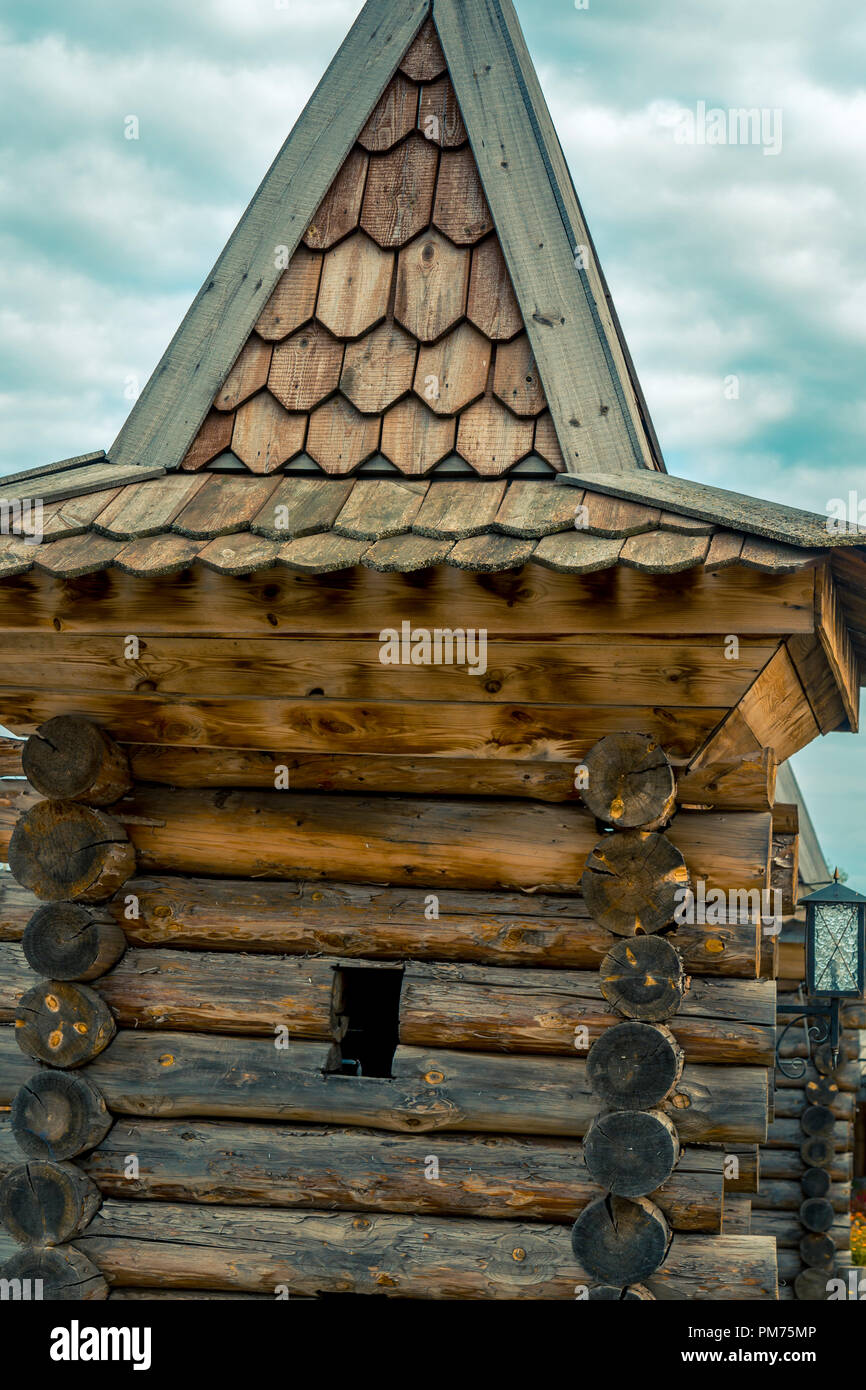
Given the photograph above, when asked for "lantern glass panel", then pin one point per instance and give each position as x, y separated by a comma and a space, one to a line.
836, 948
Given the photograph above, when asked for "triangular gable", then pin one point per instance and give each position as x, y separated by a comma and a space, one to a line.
390, 169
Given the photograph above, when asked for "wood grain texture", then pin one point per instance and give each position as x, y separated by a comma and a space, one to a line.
248, 375
432, 285
424, 58
294, 299
379, 369
453, 373
169, 411
145, 509
461, 210
439, 116
414, 438
491, 439
355, 286
339, 212
265, 435
393, 117
492, 304
212, 439
306, 368
516, 381
340, 437
398, 200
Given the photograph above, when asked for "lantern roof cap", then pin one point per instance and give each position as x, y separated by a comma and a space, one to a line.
835, 892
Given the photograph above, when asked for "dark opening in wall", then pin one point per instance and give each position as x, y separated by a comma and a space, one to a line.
369, 1000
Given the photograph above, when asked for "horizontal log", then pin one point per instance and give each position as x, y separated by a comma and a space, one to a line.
469, 843
846, 1077
741, 784
63, 850
787, 1163
182, 766
788, 1134
791, 1104
677, 671
788, 1232
778, 1194
558, 732
280, 602
736, 1215
475, 1007
256, 1250
743, 1176
248, 1078
351, 919
367, 1170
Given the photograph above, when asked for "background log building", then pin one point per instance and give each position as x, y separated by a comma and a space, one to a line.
328, 966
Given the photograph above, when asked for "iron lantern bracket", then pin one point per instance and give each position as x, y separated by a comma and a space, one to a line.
828, 1029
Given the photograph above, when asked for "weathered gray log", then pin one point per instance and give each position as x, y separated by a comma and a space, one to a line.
244, 1249
442, 1005
68, 941
817, 1151
634, 882
631, 1152
817, 1120
537, 1011
56, 1115
737, 1214
817, 1214
71, 759
45, 1203
787, 1163
629, 782
62, 850
635, 1065
64, 1274
788, 1231
354, 919
367, 1170
786, 1194
619, 1240
792, 1104
206, 1075
643, 978
63, 1024
818, 1250
815, 1182
812, 1285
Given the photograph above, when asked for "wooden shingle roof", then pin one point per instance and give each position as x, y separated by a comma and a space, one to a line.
412, 281
240, 524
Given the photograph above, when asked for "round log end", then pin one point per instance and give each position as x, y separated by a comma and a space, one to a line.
619, 1240
631, 1152
71, 759
45, 1203
812, 1285
634, 1066
818, 1251
58, 1115
61, 850
63, 1024
817, 1120
55, 1274
817, 1151
815, 1182
634, 882
629, 782
642, 977
68, 941
817, 1214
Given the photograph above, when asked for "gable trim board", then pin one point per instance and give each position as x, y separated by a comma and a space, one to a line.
598, 417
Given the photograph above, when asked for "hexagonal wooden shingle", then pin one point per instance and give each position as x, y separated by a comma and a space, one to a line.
266, 436
432, 283
306, 368
379, 369
340, 209
394, 116
491, 438
398, 199
294, 299
461, 210
453, 372
516, 379
340, 437
414, 438
355, 287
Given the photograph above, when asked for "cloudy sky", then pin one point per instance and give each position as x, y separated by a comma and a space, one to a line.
739, 274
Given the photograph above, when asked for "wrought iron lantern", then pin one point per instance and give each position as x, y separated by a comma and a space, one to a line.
835, 964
